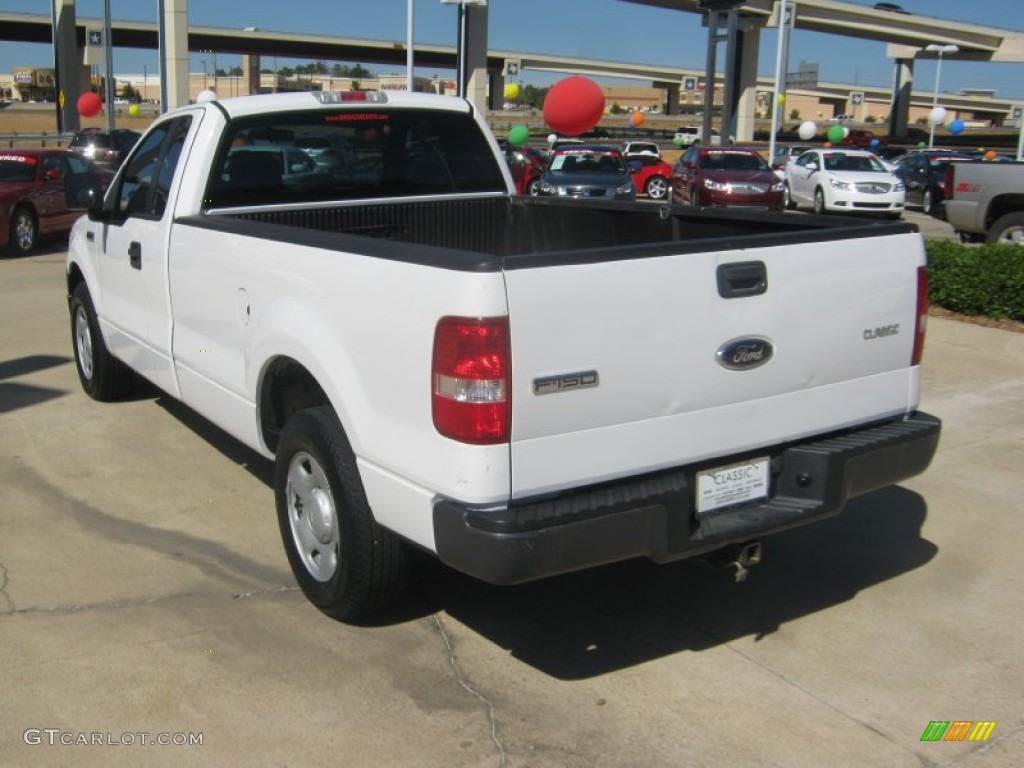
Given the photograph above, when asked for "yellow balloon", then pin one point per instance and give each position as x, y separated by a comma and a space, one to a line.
512, 91
782, 98
133, 110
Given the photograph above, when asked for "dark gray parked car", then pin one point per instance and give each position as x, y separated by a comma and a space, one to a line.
588, 171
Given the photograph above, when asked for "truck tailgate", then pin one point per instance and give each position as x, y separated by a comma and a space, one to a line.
618, 365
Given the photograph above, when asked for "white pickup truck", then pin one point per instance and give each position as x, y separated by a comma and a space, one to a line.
521, 386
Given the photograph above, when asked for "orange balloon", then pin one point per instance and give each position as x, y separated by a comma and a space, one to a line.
828, 145
637, 119
991, 155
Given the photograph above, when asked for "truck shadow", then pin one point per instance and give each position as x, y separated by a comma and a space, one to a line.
587, 624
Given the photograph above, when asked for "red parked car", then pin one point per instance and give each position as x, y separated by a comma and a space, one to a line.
725, 176
527, 166
650, 175
32, 203
862, 139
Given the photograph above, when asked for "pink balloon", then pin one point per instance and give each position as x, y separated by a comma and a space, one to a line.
89, 104
573, 106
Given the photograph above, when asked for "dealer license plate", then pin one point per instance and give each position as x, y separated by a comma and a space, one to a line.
734, 484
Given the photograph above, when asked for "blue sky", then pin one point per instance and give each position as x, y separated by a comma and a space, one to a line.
600, 29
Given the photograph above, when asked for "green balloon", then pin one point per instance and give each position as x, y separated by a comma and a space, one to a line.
922, 144
678, 141
836, 134
518, 136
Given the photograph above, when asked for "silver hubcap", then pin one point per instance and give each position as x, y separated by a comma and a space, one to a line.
656, 188
1012, 236
24, 232
83, 342
312, 516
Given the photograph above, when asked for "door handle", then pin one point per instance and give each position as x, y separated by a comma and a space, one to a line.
135, 254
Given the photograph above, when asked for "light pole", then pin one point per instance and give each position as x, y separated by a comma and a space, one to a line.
939, 49
203, 62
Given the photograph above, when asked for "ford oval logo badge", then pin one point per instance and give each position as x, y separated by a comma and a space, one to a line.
745, 353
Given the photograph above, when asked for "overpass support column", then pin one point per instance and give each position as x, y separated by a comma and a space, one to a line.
476, 55
745, 91
68, 66
671, 97
174, 79
496, 89
899, 112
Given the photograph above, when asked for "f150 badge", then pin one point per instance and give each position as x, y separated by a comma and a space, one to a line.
745, 353
565, 382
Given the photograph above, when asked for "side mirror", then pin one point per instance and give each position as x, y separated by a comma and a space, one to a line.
812, 166
84, 191
633, 166
52, 175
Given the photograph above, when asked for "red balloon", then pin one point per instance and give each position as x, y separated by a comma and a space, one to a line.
89, 104
573, 106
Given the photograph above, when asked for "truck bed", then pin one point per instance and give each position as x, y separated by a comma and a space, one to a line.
501, 232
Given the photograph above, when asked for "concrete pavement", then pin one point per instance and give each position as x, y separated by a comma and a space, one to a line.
143, 589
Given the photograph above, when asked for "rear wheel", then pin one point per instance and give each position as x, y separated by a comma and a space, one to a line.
656, 187
534, 187
345, 563
1007, 230
24, 232
103, 376
819, 201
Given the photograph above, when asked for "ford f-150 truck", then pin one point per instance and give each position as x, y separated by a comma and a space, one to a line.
986, 201
521, 386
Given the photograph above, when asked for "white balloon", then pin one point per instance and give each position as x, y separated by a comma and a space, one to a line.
208, 95
846, 131
807, 130
552, 137
937, 115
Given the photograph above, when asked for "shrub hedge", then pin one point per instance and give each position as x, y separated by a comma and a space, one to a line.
977, 280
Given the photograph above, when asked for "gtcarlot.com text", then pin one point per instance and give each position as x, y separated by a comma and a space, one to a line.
55, 737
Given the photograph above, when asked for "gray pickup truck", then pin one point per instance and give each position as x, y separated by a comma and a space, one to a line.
985, 202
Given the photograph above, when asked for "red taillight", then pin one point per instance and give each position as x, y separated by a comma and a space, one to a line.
471, 379
922, 315
947, 181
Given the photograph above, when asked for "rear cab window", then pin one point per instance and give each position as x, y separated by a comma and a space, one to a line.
376, 152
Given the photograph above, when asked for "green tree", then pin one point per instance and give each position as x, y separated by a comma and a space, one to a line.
794, 114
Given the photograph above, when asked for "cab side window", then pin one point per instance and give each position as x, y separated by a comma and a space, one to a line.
146, 181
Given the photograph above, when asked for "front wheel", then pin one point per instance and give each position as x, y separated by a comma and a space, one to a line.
928, 201
787, 199
103, 376
23, 233
819, 201
534, 188
345, 563
1007, 230
656, 188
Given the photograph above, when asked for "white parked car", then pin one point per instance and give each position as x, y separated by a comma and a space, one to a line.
843, 181
634, 148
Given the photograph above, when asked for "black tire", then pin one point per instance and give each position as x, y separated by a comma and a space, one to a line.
1007, 230
819, 201
534, 188
24, 232
656, 188
787, 199
345, 563
102, 375
928, 201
